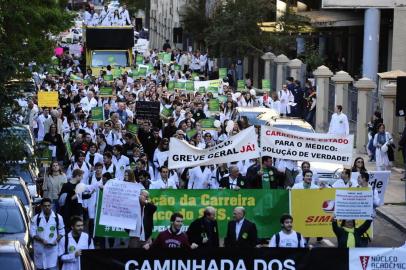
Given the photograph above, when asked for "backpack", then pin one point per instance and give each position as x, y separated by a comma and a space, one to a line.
278, 239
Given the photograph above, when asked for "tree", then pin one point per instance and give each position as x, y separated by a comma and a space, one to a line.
195, 22
25, 30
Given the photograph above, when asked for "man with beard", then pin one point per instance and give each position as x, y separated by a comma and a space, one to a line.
287, 237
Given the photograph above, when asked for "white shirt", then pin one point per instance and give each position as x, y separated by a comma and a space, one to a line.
121, 165
41, 127
87, 104
160, 184
97, 158
339, 125
301, 186
341, 184
70, 262
199, 179
46, 257
287, 240
238, 226
285, 97
85, 168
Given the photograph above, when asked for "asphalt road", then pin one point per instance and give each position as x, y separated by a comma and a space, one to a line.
385, 235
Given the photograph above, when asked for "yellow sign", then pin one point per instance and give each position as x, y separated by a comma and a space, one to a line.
48, 99
313, 211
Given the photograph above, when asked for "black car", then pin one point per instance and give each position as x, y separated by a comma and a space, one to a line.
15, 256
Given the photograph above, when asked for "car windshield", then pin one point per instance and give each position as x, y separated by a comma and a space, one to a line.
252, 118
12, 260
23, 172
104, 58
19, 132
17, 190
294, 128
11, 220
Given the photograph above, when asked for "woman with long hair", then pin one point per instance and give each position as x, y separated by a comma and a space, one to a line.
382, 141
53, 182
359, 165
56, 143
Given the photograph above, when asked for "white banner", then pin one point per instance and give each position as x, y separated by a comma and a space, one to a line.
296, 145
242, 146
120, 205
377, 258
378, 180
351, 204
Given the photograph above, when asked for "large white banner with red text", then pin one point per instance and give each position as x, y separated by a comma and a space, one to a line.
296, 145
243, 146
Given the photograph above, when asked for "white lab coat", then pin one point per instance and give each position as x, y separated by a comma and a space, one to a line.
285, 97
160, 157
70, 262
93, 188
46, 257
382, 159
121, 165
41, 127
301, 186
87, 104
199, 179
97, 158
339, 125
85, 168
159, 184
341, 184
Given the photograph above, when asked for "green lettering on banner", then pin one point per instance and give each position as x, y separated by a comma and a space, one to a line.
97, 114
263, 207
207, 123
214, 105
266, 85
202, 89
222, 73
190, 86
108, 78
213, 89
171, 85
240, 85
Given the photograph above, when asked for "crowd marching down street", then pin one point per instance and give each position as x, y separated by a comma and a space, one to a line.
166, 152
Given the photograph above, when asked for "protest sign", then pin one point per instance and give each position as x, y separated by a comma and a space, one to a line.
263, 207
167, 112
171, 85
189, 85
75, 78
222, 98
48, 99
353, 204
240, 85
167, 58
117, 73
296, 145
207, 123
377, 258
147, 109
202, 89
177, 67
377, 180
213, 89
135, 74
106, 231
243, 146
86, 81
216, 259
97, 114
222, 73
108, 78
142, 71
266, 85
105, 92
213, 105
313, 211
43, 153
180, 85
132, 128
139, 59
190, 133
68, 149
120, 204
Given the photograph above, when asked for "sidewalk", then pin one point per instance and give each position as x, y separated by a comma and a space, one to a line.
394, 209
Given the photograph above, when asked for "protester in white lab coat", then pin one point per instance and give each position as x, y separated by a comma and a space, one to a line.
92, 157
339, 123
345, 181
307, 181
47, 229
41, 124
164, 180
81, 164
199, 177
363, 182
71, 245
382, 141
286, 98
120, 161
125, 16
88, 102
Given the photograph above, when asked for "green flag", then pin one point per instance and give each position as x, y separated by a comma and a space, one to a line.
139, 59
106, 92
266, 85
240, 84
222, 73
97, 114
214, 105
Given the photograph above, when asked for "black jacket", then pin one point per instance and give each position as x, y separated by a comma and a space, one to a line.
149, 211
247, 238
203, 227
255, 181
225, 183
342, 235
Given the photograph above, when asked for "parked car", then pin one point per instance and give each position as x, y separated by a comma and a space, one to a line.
255, 115
25, 88
15, 256
14, 222
16, 186
326, 172
29, 173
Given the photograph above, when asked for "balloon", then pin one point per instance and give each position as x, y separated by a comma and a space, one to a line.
217, 123
80, 188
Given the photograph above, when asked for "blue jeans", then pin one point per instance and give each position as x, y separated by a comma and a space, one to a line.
371, 148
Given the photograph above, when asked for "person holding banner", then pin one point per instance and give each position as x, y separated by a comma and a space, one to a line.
265, 176
287, 237
348, 236
363, 182
345, 181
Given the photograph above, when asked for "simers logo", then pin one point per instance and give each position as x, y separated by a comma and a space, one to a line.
328, 206
364, 261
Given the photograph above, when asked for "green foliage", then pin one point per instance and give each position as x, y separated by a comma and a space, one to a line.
311, 56
195, 21
25, 28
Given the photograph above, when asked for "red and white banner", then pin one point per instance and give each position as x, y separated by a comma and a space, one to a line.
243, 146
377, 258
296, 145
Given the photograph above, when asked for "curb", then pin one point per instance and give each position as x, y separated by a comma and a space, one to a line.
391, 220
